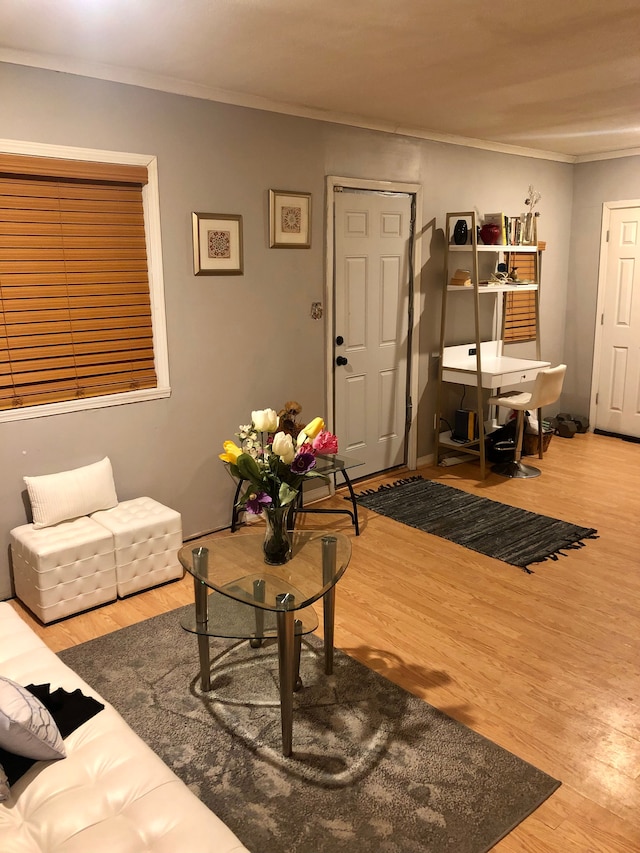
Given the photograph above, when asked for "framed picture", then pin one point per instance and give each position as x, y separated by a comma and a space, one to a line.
289, 220
217, 244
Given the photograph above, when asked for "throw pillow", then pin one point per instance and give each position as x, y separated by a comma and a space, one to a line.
26, 727
4, 785
71, 494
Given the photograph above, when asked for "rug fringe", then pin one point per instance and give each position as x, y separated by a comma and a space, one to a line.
385, 487
572, 546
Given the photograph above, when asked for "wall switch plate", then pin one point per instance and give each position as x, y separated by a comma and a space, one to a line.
316, 310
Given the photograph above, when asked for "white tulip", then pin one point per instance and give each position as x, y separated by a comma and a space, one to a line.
283, 447
265, 420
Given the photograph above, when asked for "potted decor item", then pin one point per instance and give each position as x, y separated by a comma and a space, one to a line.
490, 234
274, 464
460, 232
530, 223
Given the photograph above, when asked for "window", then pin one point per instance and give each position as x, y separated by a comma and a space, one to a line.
520, 306
81, 316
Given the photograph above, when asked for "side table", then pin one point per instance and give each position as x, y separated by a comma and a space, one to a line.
327, 464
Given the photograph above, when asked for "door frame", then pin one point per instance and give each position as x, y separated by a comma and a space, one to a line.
607, 207
415, 190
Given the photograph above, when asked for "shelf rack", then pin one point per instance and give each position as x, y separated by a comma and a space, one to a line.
450, 367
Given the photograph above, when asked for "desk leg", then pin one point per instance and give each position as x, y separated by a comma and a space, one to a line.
286, 660
202, 617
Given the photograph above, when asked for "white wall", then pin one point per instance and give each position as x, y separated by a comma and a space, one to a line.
246, 342
595, 183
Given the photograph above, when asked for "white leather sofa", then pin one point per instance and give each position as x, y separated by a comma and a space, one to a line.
110, 793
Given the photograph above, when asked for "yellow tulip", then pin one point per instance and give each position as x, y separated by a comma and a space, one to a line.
231, 452
310, 431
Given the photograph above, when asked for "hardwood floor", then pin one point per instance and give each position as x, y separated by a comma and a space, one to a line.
546, 665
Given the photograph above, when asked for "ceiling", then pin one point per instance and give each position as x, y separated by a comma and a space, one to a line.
558, 78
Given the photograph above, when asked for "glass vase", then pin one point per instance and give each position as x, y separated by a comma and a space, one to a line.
277, 538
529, 230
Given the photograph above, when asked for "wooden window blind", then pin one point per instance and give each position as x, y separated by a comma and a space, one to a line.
520, 306
75, 309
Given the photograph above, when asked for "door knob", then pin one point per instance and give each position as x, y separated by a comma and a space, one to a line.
341, 360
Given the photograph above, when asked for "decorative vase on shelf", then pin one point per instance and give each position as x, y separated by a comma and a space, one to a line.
490, 234
277, 541
460, 232
530, 229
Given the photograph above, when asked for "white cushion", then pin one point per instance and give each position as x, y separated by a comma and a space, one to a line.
26, 727
71, 494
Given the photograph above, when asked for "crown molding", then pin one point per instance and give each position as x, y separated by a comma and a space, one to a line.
608, 155
175, 86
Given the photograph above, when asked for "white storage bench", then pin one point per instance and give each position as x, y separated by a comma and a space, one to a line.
146, 539
84, 548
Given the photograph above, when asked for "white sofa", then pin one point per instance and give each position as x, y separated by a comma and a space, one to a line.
110, 793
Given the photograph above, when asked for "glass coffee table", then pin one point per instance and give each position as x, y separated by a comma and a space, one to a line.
238, 595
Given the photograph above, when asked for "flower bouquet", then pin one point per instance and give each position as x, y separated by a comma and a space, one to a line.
274, 464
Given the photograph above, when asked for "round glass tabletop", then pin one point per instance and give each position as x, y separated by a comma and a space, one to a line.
234, 566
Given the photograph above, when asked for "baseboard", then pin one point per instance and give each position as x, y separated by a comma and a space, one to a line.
632, 438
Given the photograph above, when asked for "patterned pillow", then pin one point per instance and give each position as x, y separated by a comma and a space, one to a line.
4, 785
26, 727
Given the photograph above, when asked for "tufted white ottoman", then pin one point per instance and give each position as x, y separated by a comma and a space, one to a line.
147, 537
63, 569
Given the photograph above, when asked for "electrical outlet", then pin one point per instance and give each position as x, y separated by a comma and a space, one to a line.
472, 350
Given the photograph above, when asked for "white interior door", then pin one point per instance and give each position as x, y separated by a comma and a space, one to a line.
618, 380
372, 273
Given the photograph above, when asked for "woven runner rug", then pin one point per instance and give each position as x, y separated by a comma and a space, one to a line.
374, 769
507, 533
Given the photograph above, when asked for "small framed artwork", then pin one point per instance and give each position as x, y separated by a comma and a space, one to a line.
289, 220
217, 244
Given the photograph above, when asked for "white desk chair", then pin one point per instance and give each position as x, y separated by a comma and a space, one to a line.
546, 390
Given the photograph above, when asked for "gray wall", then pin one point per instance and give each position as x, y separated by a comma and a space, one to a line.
243, 342
594, 184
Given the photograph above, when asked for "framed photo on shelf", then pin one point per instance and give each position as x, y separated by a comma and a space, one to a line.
217, 244
289, 220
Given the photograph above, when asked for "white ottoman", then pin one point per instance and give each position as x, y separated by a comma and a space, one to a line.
63, 569
147, 537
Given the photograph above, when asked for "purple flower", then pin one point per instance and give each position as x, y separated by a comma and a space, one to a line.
256, 502
303, 462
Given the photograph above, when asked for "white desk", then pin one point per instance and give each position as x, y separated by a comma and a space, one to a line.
498, 371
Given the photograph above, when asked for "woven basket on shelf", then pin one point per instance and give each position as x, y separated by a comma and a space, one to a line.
530, 442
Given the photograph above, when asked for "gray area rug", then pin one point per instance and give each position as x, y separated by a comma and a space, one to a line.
510, 534
374, 768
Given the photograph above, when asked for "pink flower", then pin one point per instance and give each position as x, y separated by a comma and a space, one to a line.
325, 442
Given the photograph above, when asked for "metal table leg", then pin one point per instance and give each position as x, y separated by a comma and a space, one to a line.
329, 544
297, 629
200, 589
235, 512
354, 502
258, 594
286, 660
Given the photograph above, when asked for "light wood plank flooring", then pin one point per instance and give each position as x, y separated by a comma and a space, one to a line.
546, 665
